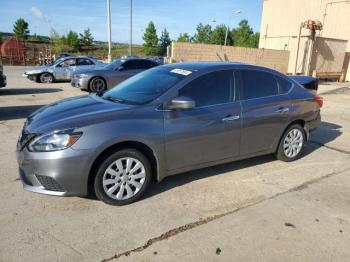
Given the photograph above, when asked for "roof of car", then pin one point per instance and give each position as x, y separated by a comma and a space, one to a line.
200, 66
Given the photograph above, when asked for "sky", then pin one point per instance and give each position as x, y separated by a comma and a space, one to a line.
177, 16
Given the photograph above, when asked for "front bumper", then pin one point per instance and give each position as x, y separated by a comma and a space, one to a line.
81, 83
60, 173
30, 77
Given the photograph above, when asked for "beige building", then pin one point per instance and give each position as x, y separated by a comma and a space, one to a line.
329, 53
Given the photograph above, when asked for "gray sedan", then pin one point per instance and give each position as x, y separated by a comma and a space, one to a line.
164, 121
100, 79
61, 69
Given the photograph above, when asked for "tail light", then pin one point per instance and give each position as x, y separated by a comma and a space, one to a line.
319, 100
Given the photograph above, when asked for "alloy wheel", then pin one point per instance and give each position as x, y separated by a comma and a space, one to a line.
124, 178
293, 143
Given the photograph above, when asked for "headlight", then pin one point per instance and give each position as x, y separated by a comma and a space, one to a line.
81, 75
54, 141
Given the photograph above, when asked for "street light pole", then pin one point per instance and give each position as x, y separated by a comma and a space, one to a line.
109, 31
130, 46
226, 35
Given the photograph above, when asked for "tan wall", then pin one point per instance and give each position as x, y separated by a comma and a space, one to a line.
282, 18
185, 52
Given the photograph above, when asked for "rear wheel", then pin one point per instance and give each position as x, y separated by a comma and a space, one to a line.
46, 78
123, 177
291, 144
97, 84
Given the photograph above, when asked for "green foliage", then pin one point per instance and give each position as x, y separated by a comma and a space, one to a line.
185, 37
0, 39
164, 42
86, 38
20, 28
244, 35
203, 34
150, 39
219, 34
38, 38
58, 43
72, 40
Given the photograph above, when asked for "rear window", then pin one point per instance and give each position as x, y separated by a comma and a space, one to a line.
258, 84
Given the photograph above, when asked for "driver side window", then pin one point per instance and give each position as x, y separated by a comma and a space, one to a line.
211, 89
68, 62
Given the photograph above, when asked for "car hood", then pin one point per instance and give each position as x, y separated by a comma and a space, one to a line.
37, 69
74, 112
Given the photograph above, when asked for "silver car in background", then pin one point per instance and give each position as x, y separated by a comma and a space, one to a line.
103, 78
62, 69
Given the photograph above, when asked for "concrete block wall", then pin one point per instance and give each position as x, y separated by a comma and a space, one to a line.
189, 52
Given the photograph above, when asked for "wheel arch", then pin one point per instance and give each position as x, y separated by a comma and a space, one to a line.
143, 148
300, 122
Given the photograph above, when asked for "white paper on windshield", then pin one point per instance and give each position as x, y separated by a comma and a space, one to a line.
181, 72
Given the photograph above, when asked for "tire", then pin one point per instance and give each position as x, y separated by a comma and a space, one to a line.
46, 78
113, 183
291, 144
97, 84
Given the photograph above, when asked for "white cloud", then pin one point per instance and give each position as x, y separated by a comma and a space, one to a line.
36, 12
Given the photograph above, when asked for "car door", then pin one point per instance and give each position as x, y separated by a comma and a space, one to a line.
266, 110
210, 131
64, 69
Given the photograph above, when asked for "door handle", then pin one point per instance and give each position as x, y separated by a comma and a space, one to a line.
231, 118
283, 110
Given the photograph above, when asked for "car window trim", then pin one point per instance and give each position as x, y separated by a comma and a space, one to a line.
241, 86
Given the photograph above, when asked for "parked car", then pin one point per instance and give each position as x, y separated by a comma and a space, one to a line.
164, 121
2, 77
103, 78
61, 69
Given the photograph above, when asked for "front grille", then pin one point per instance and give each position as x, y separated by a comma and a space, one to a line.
49, 183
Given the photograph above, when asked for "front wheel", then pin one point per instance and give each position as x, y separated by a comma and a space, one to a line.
46, 78
97, 84
292, 144
123, 177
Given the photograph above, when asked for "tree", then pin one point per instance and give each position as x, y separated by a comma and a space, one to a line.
0, 39
164, 42
150, 39
203, 34
72, 40
185, 37
244, 35
20, 28
58, 43
86, 38
219, 34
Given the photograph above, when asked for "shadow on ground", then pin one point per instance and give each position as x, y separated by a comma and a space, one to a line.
17, 112
27, 91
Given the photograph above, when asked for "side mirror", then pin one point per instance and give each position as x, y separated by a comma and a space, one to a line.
182, 103
121, 68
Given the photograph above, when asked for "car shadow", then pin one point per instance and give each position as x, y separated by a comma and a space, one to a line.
325, 133
17, 112
28, 91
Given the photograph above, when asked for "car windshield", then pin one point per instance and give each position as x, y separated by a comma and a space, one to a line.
144, 87
114, 65
56, 62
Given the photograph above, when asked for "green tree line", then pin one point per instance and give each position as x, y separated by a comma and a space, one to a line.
243, 36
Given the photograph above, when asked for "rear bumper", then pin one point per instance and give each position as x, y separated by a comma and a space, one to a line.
61, 173
3, 81
312, 125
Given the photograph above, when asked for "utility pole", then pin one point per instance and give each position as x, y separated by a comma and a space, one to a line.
226, 35
130, 46
109, 31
